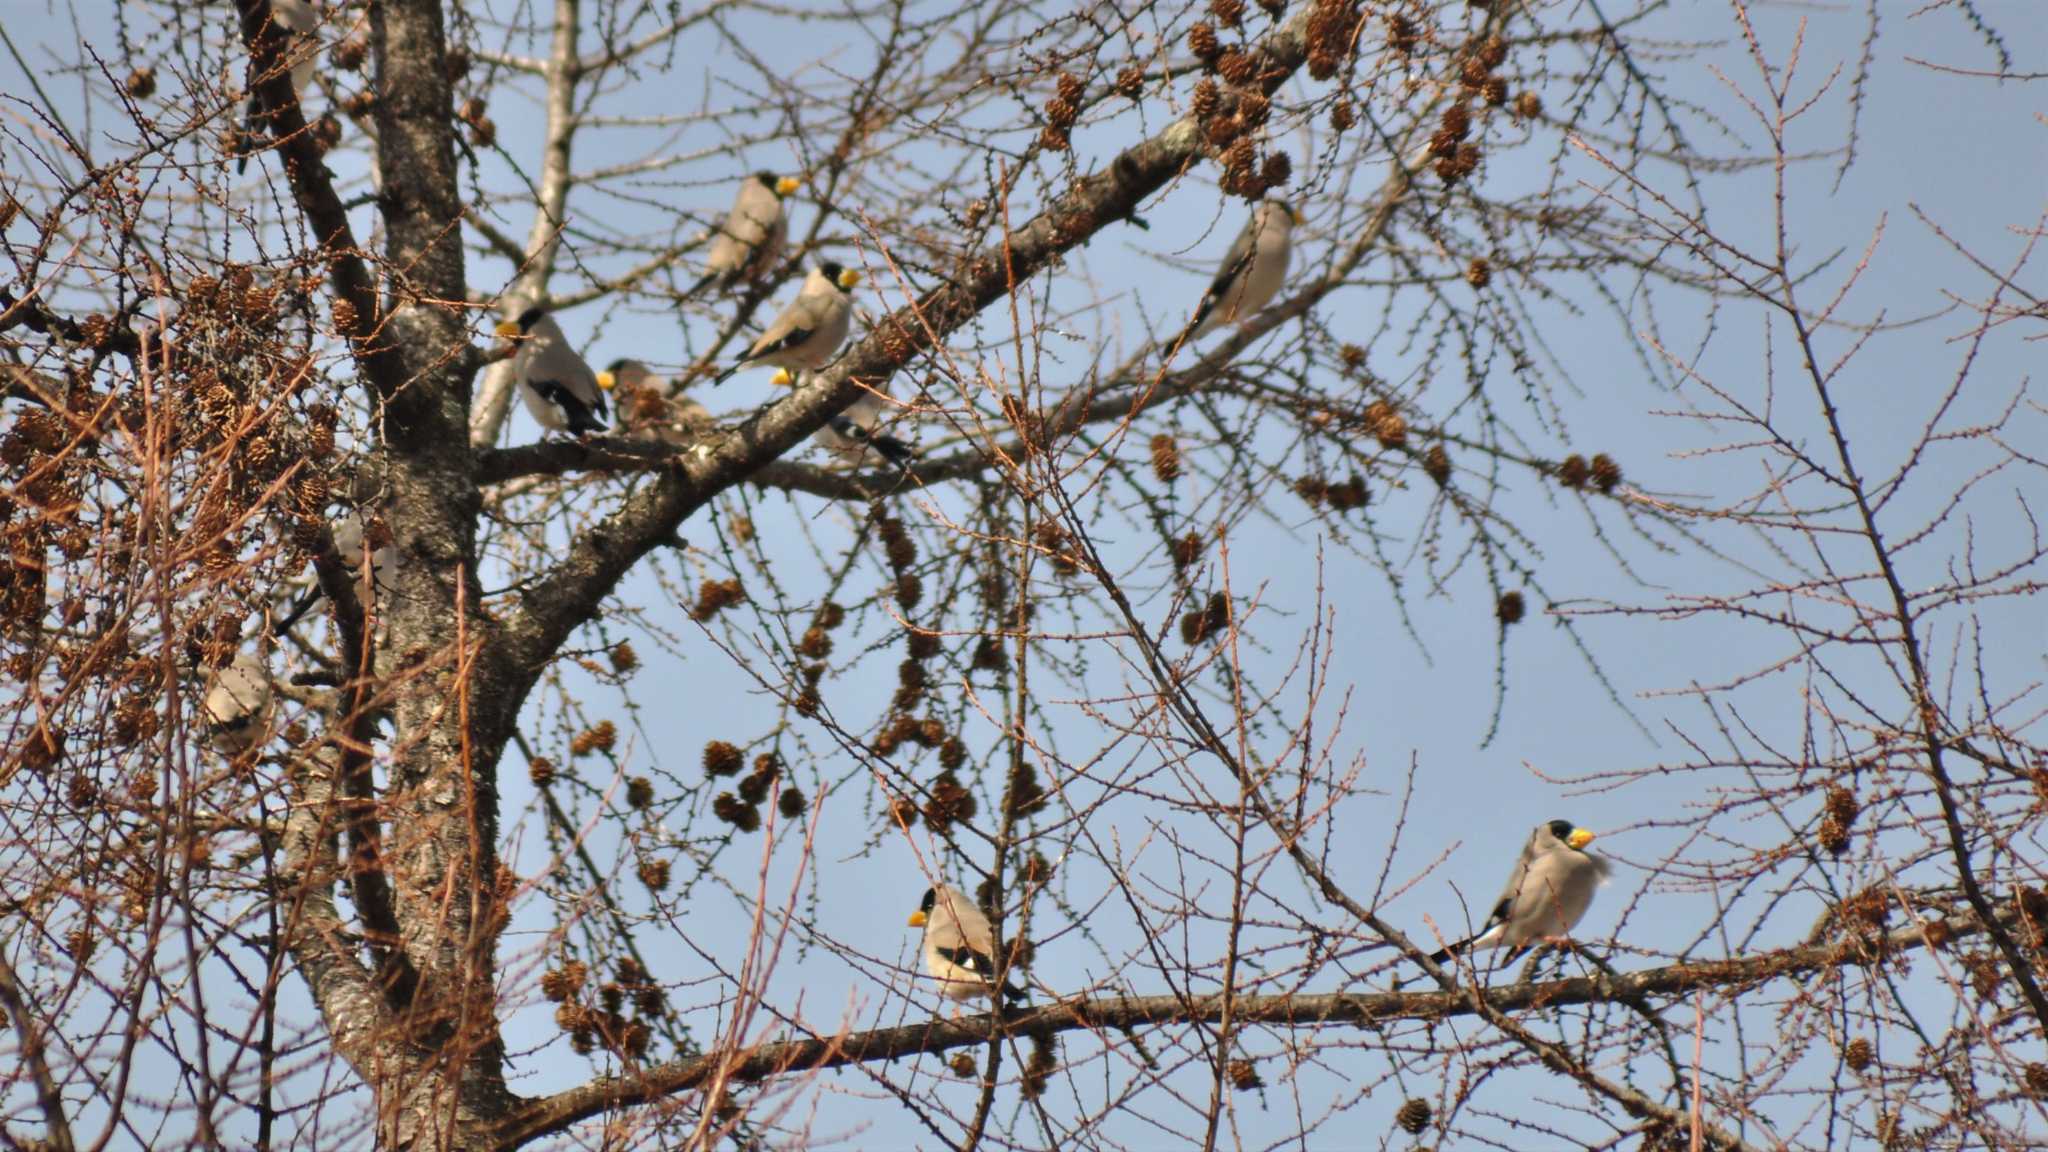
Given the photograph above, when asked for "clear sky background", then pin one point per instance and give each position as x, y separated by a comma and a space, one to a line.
1970, 154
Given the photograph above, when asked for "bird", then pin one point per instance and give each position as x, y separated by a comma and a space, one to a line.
1549, 890
651, 405
959, 946
238, 704
349, 535
1253, 270
559, 388
852, 434
750, 241
350, 532
298, 19
812, 328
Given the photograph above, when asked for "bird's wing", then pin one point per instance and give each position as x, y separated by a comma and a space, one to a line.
557, 363
965, 957
797, 324
1236, 260
849, 438
981, 966
962, 936
1518, 880
787, 332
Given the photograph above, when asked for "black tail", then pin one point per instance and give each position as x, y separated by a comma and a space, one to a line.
1013, 994
895, 450
890, 448
1450, 950
248, 141
705, 282
305, 603
582, 418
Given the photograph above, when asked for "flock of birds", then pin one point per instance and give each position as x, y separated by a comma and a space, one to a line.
1552, 883
565, 395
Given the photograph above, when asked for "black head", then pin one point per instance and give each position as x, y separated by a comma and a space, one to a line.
767, 180
530, 317
931, 900
1562, 829
618, 367
832, 270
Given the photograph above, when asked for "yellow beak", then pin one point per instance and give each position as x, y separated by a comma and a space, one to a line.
848, 277
508, 329
606, 380
782, 379
917, 918
1579, 838
786, 185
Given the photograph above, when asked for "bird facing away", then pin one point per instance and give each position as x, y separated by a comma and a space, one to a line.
812, 328
559, 388
1550, 889
1253, 270
349, 537
854, 435
751, 240
959, 946
650, 405
350, 533
299, 20
238, 704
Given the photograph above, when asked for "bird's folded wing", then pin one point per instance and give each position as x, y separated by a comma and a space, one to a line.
564, 397
787, 340
968, 958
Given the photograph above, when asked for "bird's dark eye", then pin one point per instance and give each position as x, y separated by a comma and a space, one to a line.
931, 897
1562, 829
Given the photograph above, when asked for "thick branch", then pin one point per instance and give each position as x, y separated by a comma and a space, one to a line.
322, 948
554, 1113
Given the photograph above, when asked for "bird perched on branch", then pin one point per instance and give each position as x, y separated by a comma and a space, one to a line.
559, 388
351, 537
651, 405
299, 20
1550, 889
959, 946
809, 332
856, 433
238, 704
751, 240
1253, 270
